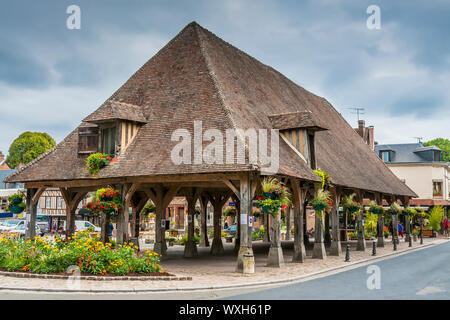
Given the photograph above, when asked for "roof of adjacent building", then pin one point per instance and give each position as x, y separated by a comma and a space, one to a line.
198, 76
406, 152
3, 175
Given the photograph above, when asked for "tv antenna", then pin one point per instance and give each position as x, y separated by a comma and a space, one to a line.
357, 111
419, 139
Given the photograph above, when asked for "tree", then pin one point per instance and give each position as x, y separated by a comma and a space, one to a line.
27, 147
443, 144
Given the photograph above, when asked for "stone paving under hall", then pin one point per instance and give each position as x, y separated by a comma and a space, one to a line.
207, 270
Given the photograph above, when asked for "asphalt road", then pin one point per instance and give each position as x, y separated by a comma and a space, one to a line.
422, 274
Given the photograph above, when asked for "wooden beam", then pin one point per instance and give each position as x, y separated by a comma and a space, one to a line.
37, 195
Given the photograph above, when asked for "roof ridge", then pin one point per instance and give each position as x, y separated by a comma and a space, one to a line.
287, 113
211, 73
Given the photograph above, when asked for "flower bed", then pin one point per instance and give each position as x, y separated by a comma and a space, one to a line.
89, 255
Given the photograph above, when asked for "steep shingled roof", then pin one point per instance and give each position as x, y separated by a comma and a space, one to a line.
198, 76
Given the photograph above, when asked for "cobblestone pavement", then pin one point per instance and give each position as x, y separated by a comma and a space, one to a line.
207, 271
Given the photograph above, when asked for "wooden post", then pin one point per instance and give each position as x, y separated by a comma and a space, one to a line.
218, 200
237, 205
361, 245
298, 196
327, 237
335, 248
288, 222
245, 260
394, 222
161, 197
204, 242
31, 213
319, 247
407, 220
380, 222
72, 199
105, 227
266, 227
190, 248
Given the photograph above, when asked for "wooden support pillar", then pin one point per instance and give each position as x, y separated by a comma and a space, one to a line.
380, 223
266, 227
335, 248
361, 245
298, 198
327, 236
72, 199
218, 200
394, 222
204, 242
289, 214
30, 232
407, 220
190, 248
245, 259
237, 242
161, 197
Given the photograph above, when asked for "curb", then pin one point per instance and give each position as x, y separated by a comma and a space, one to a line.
231, 286
96, 278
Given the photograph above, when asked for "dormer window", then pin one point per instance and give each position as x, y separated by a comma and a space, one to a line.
88, 139
385, 156
117, 124
298, 130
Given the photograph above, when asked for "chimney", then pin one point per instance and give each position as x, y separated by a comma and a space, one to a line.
361, 127
2, 157
371, 138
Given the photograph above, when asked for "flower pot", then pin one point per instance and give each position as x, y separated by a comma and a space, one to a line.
16, 209
270, 195
16, 201
319, 207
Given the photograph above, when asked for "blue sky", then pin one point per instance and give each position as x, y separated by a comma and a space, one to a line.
52, 77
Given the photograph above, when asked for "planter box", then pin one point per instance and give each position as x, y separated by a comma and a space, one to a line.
427, 233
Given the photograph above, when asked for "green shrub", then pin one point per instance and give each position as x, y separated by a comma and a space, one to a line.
97, 161
436, 214
370, 224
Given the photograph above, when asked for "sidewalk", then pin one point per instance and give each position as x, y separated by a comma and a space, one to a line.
210, 272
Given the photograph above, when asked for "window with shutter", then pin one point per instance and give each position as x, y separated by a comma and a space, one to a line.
87, 140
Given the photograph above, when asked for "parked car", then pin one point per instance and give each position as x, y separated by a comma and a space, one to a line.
231, 230
81, 225
20, 229
8, 224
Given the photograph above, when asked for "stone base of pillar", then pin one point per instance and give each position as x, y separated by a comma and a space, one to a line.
237, 245
275, 258
245, 261
190, 249
361, 245
299, 253
319, 251
335, 248
217, 247
380, 242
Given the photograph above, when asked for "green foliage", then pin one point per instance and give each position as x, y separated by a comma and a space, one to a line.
326, 180
27, 147
148, 208
370, 224
443, 144
258, 234
395, 208
185, 239
375, 208
321, 201
107, 200
436, 215
97, 161
91, 256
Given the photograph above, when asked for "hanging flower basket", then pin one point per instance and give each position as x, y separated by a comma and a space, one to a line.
16, 209
16, 201
274, 197
375, 208
354, 207
395, 209
410, 212
321, 202
107, 194
351, 206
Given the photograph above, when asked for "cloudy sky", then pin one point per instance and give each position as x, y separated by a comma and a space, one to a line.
51, 76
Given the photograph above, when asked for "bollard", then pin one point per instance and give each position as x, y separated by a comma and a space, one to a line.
421, 238
347, 253
395, 244
374, 249
410, 242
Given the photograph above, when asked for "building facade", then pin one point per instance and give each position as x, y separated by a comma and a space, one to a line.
421, 169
